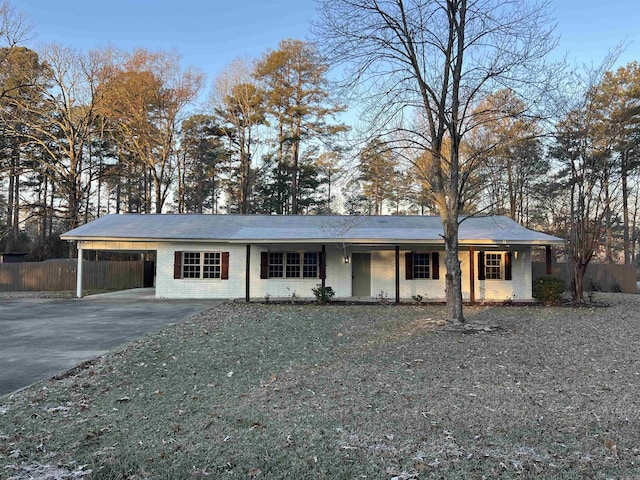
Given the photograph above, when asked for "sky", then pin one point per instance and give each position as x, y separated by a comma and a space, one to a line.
209, 34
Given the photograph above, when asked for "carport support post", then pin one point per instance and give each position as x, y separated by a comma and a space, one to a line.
472, 276
79, 273
397, 274
247, 275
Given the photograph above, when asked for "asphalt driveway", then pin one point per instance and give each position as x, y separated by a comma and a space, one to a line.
40, 338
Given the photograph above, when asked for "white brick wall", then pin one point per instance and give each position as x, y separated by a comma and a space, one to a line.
168, 287
338, 274
519, 288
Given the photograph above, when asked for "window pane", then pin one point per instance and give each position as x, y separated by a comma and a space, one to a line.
211, 265
421, 265
310, 267
191, 265
276, 267
293, 264
492, 265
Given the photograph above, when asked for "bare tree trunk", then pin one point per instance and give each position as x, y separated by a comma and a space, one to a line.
625, 208
579, 271
608, 217
51, 210
13, 200
294, 173
118, 195
454, 273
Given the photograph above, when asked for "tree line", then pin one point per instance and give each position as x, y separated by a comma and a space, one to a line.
464, 116
90, 133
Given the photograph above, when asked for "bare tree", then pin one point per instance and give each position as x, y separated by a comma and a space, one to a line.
61, 122
584, 150
144, 99
239, 107
425, 66
14, 31
617, 102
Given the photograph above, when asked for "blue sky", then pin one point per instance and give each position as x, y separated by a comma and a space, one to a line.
210, 33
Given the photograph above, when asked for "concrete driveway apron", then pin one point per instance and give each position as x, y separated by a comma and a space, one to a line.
40, 338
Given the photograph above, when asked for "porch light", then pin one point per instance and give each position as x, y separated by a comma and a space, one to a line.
346, 259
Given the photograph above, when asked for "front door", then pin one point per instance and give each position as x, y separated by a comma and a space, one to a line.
361, 274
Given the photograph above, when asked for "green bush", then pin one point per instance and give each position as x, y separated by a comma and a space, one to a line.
323, 294
548, 288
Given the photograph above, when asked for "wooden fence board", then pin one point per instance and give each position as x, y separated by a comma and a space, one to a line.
599, 277
61, 275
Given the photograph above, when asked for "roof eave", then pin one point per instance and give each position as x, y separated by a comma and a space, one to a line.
385, 241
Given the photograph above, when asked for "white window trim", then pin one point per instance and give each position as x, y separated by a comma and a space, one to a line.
202, 265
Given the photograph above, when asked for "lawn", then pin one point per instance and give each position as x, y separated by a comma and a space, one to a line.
345, 392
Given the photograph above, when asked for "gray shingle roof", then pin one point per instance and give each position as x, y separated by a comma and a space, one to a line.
303, 228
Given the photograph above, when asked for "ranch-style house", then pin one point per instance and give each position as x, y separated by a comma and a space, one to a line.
360, 257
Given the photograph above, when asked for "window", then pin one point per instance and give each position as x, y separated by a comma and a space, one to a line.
310, 267
211, 265
191, 265
493, 266
289, 265
201, 265
276, 264
421, 265
293, 265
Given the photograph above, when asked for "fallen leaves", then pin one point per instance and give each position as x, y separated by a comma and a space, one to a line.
48, 472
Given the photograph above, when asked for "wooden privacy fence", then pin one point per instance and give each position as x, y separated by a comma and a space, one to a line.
599, 277
61, 275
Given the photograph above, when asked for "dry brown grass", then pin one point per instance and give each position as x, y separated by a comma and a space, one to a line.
300, 391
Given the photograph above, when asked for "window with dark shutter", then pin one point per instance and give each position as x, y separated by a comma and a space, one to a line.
435, 265
507, 266
421, 267
264, 265
201, 265
408, 265
177, 265
292, 265
481, 272
224, 266
323, 265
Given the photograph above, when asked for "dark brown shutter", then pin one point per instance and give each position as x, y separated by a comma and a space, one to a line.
435, 265
507, 266
408, 265
322, 270
264, 264
177, 265
481, 266
224, 266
